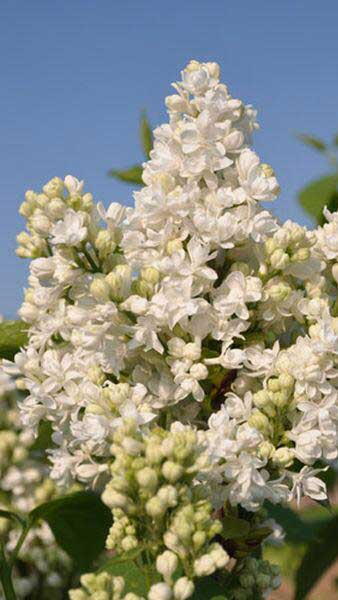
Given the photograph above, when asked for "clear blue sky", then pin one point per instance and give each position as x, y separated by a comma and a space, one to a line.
75, 74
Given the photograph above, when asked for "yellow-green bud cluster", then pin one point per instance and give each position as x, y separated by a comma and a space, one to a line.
290, 244
277, 394
146, 283
114, 286
272, 405
151, 490
102, 586
43, 210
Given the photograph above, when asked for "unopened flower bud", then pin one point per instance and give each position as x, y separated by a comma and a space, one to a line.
96, 375
265, 450
150, 275
147, 478
114, 499
242, 267
219, 556
131, 446
172, 471
279, 292
100, 289
259, 421
283, 457
119, 281
199, 371
279, 259
168, 495
204, 566
40, 223
199, 539
286, 380
54, 187
175, 103
247, 580
104, 243
267, 170
261, 398
166, 564
280, 399
301, 254
155, 507
56, 209
183, 588
160, 591
174, 246
192, 351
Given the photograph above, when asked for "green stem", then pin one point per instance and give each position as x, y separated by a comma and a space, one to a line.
6, 577
19, 543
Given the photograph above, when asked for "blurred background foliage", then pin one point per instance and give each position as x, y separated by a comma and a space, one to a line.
322, 192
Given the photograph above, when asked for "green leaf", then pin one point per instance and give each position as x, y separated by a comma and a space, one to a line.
299, 528
296, 530
44, 438
13, 335
234, 527
320, 555
146, 135
135, 578
311, 140
207, 588
80, 523
318, 194
335, 139
132, 175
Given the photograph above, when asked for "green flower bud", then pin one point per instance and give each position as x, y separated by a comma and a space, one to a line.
259, 421
147, 478
100, 289
283, 457
155, 508
279, 259
172, 471
166, 564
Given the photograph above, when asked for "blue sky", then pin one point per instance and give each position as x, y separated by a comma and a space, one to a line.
76, 73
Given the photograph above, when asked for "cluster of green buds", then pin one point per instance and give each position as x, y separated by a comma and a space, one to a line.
158, 511
146, 283
277, 290
290, 244
43, 210
102, 586
256, 579
273, 403
114, 286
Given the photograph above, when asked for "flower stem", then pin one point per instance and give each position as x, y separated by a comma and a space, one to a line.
6, 577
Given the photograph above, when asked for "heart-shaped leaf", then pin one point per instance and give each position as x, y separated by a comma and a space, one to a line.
80, 523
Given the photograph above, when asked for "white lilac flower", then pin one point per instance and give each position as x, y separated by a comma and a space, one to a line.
196, 306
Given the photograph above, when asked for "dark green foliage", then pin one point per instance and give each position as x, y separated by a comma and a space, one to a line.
80, 523
318, 194
133, 175
13, 335
320, 555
